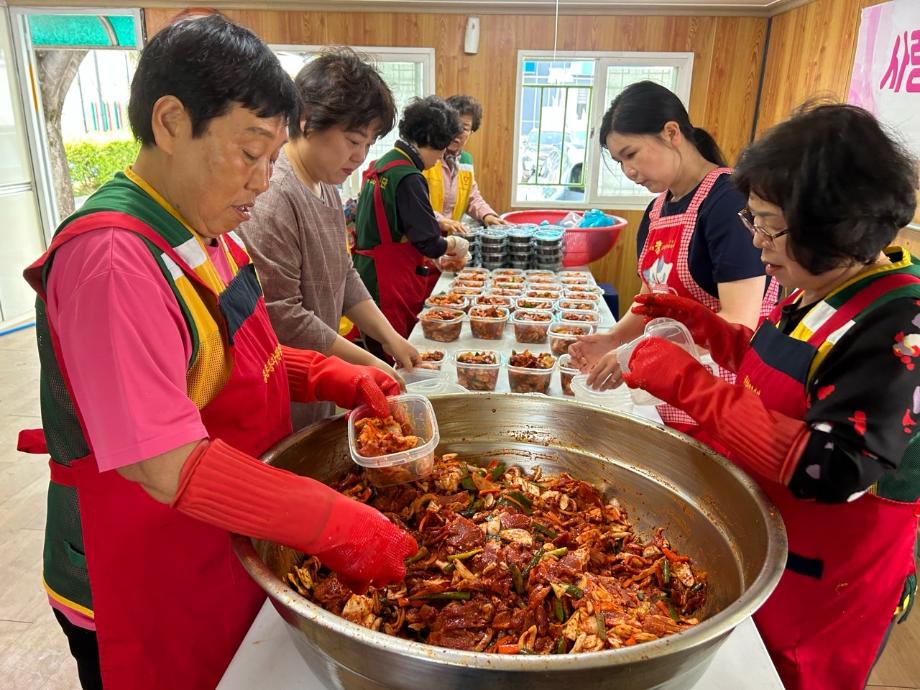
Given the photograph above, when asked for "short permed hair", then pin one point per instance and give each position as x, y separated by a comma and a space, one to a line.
429, 122
209, 64
340, 87
845, 186
467, 105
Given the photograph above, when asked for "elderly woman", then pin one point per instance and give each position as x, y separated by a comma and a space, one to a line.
162, 380
297, 231
827, 192
394, 206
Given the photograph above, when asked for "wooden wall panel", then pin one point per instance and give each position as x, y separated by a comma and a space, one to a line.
727, 58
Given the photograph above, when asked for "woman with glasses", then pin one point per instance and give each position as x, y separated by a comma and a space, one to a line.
691, 241
824, 412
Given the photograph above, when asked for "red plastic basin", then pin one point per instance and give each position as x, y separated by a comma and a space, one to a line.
582, 245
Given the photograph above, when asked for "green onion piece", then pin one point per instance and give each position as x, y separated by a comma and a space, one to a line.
521, 498
419, 555
463, 556
517, 578
474, 508
546, 531
640, 596
561, 551
601, 627
557, 608
574, 592
498, 471
672, 611
509, 501
445, 596
449, 568
468, 484
560, 645
665, 571
538, 554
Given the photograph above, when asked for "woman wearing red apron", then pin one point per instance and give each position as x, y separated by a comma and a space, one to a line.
396, 232
806, 418
162, 379
691, 240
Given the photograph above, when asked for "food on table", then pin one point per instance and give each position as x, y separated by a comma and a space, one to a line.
432, 359
514, 279
530, 372
472, 282
452, 264
466, 290
583, 296
534, 303
574, 280
543, 294
561, 336
531, 325
571, 304
566, 373
580, 316
512, 562
542, 278
488, 322
503, 285
442, 324
383, 436
506, 292
446, 299
506, 272
477, 370
497, 300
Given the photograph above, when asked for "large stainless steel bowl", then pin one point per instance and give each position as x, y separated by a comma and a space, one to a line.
709, 508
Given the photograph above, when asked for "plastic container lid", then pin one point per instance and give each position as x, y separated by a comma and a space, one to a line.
439, 386
614, 399
407, 465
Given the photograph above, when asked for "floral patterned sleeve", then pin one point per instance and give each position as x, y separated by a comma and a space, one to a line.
864, 405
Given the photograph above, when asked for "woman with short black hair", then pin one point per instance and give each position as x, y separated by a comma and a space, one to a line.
452, 183
393, 205
297, 231
691, 241
824, 414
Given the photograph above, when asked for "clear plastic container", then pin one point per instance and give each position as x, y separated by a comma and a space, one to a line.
505, 292
579, 317
539, 279
534, 303
442, 325
581, 295
529, 379
614, 399
566, 373
566, 304
452, 264
572, 280
485, 325
543, 292
404, 466
466, 290
494, 300
478, 377
506, 272
439, 386
499, 284
669, 329
536, 272
531, 325
562, 335
432, 359
474, 273
450, 300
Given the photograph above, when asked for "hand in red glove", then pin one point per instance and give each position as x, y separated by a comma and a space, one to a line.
313, 376
726, 342
767, 442
227, 488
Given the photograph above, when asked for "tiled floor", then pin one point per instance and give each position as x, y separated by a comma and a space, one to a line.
33, 651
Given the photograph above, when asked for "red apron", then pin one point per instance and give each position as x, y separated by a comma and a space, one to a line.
404, 275
664, 266
825, 623
171, 601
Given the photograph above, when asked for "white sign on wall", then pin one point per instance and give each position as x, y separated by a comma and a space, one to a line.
886, 68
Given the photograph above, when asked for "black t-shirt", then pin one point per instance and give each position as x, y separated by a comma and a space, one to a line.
720, 250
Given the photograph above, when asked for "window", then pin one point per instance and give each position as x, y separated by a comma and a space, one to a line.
409, 72
560, 104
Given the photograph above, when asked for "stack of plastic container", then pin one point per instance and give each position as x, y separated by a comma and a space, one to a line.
493, 247
548, 247
520, 246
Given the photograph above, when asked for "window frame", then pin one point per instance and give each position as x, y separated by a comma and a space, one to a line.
683, 61
424, 56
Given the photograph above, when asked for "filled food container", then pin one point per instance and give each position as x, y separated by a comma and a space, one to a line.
451, 300
530, 372
399, 448
495, 300
452, 264
488, 322
543, 292
582, 296
562, 335
534, 303
566, 304
441, 324
567, 371
617, 399
432, 359
477, 370
531, 325
506, 292
502, 273
467, 290
469, 282
579, 317
540, 278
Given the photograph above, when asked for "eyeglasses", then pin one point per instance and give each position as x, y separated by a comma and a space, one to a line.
769, 237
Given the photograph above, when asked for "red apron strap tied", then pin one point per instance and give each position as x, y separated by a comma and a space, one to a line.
32, 441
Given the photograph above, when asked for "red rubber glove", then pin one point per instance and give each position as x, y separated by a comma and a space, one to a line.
313, 376
726, 342
230, 489
766, 442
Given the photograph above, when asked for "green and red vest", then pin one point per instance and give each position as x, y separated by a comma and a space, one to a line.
367, 236
65, 573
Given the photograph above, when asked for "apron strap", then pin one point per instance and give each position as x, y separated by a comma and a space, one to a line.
705, 187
